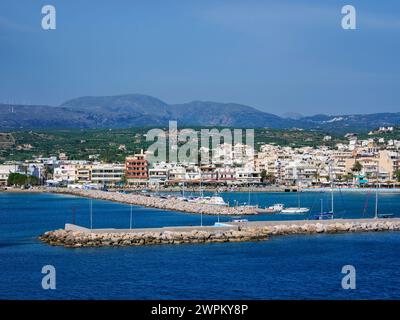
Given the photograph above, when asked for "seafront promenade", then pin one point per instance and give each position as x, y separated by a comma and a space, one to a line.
76, 237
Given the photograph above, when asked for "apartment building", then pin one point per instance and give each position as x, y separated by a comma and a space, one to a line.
136, 169
107, 174
5, 171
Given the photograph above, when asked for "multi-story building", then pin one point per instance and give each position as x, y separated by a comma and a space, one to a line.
208, 173
136, 169
65, 173
5, 171
176, 174
225, 175
107, 174
158, 173
389, 162
83, 174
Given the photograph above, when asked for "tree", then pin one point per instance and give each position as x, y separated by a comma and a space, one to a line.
269, 177
357, 167
18, 179
123, 180
396, 174
263, 175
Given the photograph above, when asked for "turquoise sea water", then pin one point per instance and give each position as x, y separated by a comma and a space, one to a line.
292, 267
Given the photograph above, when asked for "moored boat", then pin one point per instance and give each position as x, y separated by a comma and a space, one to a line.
295, 210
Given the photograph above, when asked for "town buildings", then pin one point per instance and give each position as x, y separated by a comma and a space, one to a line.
357, 162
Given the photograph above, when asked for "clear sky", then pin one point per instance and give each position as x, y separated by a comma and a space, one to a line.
278, 56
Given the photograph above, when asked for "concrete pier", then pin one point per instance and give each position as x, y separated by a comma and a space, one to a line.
76, 236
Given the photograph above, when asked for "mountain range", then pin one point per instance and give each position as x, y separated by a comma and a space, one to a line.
134, 110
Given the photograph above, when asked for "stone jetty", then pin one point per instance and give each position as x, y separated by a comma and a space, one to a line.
171, 203
77, 237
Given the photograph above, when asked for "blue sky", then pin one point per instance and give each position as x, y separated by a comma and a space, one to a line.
278, 56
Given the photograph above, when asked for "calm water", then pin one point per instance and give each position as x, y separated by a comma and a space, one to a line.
294, 267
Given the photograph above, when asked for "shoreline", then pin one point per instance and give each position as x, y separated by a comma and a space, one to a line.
281, 189
73, 236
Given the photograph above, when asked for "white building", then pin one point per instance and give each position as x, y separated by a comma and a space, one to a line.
107, 174
5, 171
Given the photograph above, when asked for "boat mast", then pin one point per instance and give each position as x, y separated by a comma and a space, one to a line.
322, 206
332, 185
376, 201
91, 213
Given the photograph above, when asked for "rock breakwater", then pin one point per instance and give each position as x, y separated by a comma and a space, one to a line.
172, 203
235, 233
77, 239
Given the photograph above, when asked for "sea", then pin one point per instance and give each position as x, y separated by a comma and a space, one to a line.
286, 267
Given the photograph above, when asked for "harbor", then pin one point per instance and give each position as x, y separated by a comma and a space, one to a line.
208, 267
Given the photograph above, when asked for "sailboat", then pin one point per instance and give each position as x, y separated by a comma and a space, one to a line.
295, 210
214, 200
377, 214
327, 215
248, 205
323, 215
182, 196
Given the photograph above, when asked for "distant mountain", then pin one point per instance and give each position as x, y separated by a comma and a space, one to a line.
353, 122
132, 104
131, 110
224, 114
32, 116
292, 115
137, 109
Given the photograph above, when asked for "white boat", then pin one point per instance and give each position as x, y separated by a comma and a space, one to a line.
295, 210
278, 207
240, 220
214, 200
